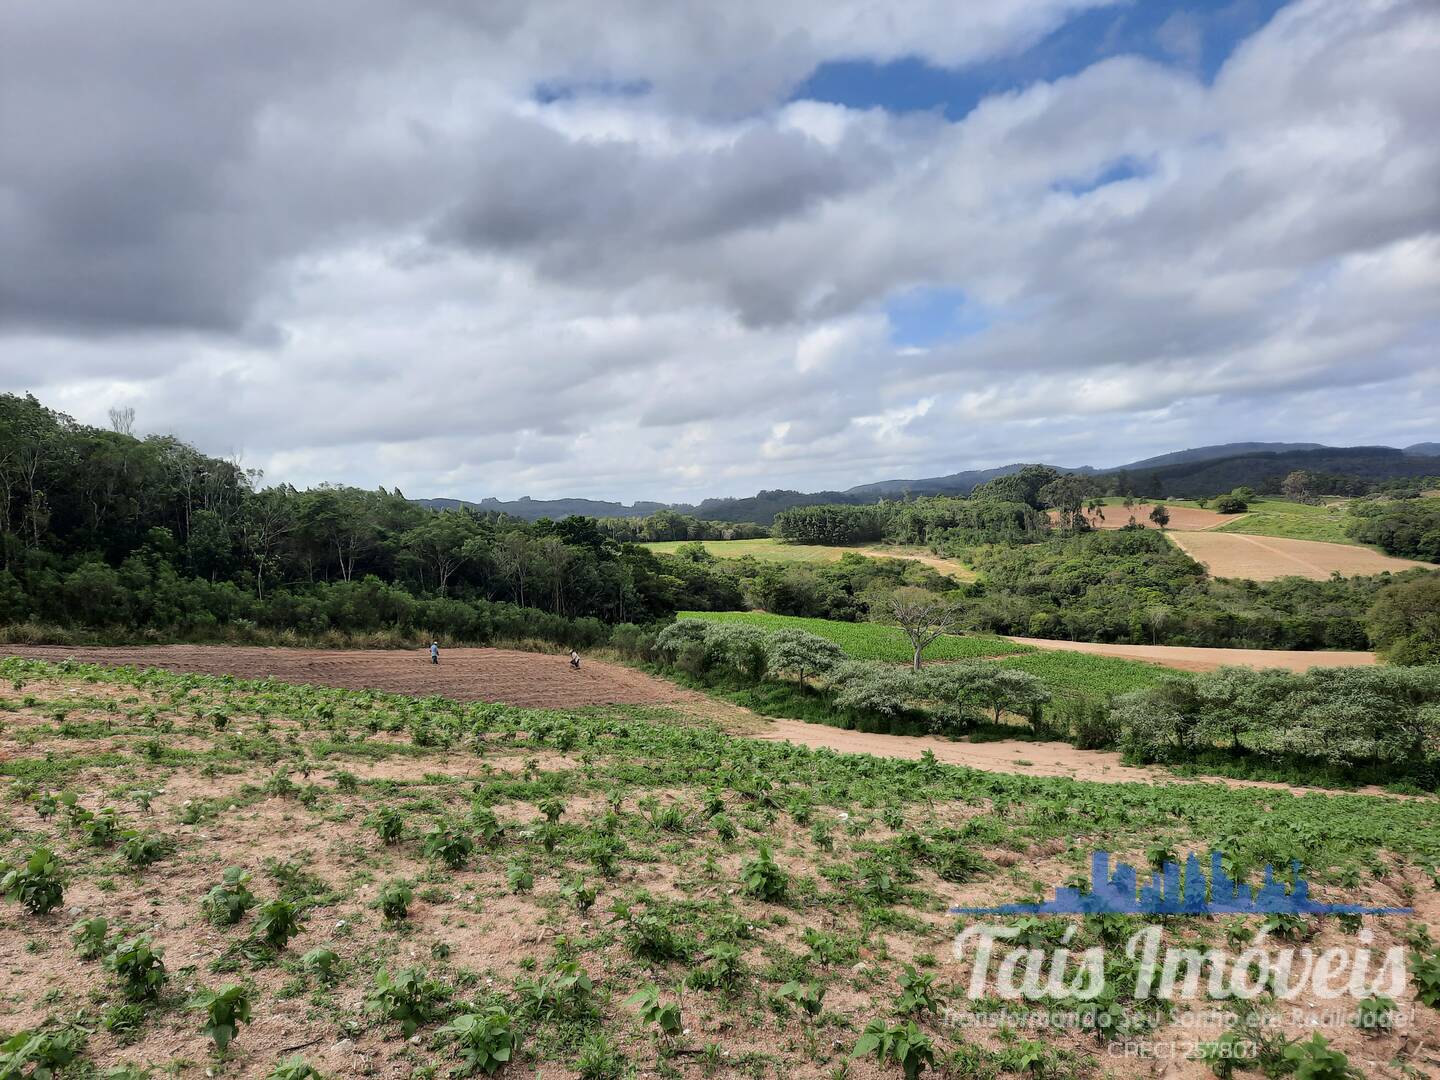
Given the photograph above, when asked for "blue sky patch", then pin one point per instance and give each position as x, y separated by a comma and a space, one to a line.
1112, 172
929, 315
1196, 36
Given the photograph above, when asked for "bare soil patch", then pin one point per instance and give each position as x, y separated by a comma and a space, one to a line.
1264, 558
1194, 658
1009, 756
532, 680
1182, 518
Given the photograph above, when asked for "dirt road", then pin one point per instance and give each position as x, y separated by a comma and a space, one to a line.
1188, 658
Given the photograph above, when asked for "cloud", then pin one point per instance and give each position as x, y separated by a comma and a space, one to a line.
372, 252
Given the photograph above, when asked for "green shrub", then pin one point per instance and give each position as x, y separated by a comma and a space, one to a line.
395, 899
44, 1054
37, 884
278, 921
904, 1044
409, 997
763, 877
226, 903
140, 967
90, 936
225, 1010
486, 1041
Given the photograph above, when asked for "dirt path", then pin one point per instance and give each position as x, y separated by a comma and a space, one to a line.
1191, 658
542, 680
935, 562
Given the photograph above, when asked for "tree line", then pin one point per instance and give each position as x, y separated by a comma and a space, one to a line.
99, 528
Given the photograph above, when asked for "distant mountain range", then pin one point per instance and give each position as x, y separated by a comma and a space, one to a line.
1201, 470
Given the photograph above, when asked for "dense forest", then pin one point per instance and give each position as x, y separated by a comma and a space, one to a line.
1408, 528
101, 529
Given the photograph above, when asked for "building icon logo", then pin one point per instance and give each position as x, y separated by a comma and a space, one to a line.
1171, 892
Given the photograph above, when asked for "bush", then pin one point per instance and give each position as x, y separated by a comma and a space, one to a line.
37, 884
225, 1011
1231, 504
140, 967
486, 1041
227, 902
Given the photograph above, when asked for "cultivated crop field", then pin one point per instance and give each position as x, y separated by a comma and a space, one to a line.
342, 884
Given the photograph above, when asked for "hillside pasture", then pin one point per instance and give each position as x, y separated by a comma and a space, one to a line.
870, 641
767, 549
1236, 555
1292, 520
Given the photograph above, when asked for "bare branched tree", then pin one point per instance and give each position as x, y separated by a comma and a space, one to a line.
921, 614
122, 421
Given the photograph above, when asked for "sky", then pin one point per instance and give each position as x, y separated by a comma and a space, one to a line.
640, 251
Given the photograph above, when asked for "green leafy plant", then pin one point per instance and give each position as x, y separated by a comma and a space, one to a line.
665, 1016
395, 899
388, 823
89, 936
143, 849
321, 962
449, 845
140, 966
917, 993
763, 877
409, 997
600, 1059
37, 884
226, 903
1375, 1014
225, 1010
278, 921
580, 895
1315, 1060
519, 876
564, 991
1425, 975
808, 995
904, 1044
102, 829
294, 1068
487, 826
724, 970
45, 1054
487, 1041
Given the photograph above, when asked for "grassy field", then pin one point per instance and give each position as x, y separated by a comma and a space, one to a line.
765, 549
869, 641
1092, 675
363, 884
1080, 672
1293, 521
782, 551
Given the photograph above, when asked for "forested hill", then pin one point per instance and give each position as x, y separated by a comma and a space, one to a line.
1197, 472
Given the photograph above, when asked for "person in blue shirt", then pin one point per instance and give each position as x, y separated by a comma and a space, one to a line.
434, 652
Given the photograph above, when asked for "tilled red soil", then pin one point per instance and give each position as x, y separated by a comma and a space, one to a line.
535, 680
